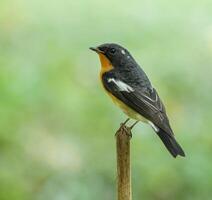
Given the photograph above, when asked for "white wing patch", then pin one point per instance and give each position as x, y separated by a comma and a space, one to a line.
121, 85
123, 51
153, 126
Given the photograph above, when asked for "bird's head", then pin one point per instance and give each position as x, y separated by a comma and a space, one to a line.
114, 54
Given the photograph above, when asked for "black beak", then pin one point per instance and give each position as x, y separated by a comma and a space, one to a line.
96, 50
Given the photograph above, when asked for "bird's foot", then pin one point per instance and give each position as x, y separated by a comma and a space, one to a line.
125, 128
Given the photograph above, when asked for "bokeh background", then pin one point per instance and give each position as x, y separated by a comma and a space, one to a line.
56, 124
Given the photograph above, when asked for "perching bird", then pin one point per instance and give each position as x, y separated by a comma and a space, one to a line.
130, 89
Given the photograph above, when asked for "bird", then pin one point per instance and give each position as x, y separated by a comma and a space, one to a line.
130, 89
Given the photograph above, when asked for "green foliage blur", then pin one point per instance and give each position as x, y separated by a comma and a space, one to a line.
57, 125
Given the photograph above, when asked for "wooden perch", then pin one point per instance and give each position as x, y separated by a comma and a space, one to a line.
123, 136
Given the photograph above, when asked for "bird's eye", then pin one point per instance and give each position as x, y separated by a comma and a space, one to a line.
112, 51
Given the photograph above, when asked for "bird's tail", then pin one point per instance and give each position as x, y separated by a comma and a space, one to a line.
171, 144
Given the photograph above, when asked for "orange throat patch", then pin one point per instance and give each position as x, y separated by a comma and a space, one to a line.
105, 64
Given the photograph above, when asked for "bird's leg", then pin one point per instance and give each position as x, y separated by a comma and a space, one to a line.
122, 125
125, 121
131, 127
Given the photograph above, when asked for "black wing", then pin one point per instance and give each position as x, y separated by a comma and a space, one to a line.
147, 103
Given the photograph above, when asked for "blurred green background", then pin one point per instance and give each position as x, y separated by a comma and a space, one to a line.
57, 125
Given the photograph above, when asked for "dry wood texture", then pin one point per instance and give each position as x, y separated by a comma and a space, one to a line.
123, 136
